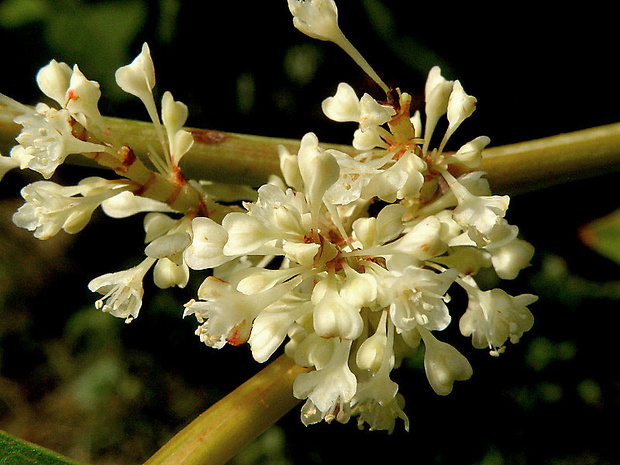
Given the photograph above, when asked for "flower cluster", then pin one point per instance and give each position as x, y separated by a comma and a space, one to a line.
347, 259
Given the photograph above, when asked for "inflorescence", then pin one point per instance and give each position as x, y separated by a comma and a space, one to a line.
348, 258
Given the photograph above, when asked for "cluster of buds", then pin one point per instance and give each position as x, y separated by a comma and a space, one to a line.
346, 259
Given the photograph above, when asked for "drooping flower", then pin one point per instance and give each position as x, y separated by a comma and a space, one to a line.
50, 207
329, 389
122, 291
443, 364
494, 317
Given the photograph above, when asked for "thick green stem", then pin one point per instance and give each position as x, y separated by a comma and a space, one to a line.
244, 159
224, 429
532, 165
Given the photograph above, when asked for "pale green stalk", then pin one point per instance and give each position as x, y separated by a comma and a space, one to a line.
224, 429
245, 159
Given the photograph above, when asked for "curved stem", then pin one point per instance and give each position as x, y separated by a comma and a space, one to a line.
224, 429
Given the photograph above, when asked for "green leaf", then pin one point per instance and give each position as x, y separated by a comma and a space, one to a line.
603, 236
14, 451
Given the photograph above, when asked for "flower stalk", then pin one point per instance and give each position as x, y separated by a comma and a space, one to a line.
513, 168
224, 429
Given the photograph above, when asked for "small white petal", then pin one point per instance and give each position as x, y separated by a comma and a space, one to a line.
126, 204
168, 245
53, 80
138, 77
343, 106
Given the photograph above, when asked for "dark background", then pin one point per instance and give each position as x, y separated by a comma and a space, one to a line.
89, 386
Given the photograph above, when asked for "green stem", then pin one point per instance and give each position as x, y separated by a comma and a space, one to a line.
532, 165
244, 159
224, 429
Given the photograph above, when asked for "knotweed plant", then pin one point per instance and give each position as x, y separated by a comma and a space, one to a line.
347, 260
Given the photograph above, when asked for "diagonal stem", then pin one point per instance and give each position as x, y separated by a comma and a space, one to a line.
224, 429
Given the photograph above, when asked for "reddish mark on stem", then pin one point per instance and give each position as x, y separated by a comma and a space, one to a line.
144, 187
179, 180
208, 137
128, 157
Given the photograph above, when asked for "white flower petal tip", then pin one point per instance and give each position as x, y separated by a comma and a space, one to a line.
7, 164
81, 99
470, 154
138, 77
53, 80
343, 106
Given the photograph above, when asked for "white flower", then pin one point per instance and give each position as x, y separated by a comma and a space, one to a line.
229, 314
319, 171
371, 353
437, 93
482, 213
316, 18
493, 317
47, 139
510, 258
50, 207
329, 388
422, 242
460, 107
138, 77
376, 401
168, 273
169, 246
470, 154
373, 114
122, 291
272, 325
174, 114
418, 298
319, 19
383, 228
443, 364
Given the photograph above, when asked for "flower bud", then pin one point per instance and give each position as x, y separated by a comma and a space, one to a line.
470, 154
443, 364
138, 77
53, 80
316, 18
